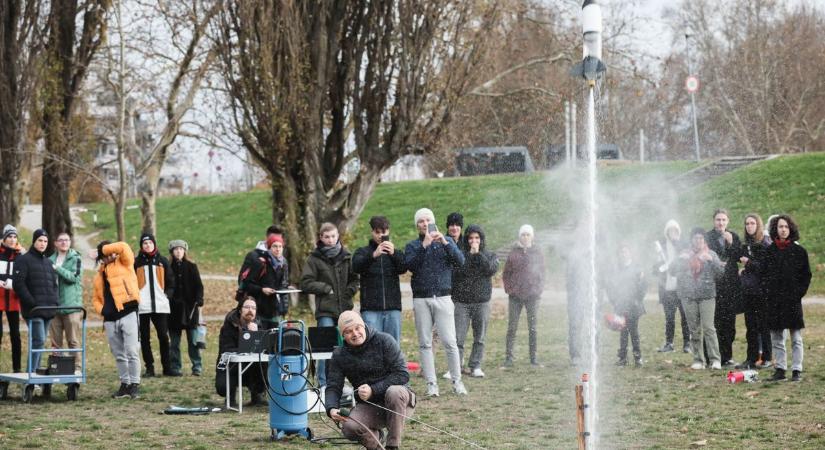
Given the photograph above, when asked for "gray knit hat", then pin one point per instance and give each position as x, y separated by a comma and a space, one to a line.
178, 243
8, 230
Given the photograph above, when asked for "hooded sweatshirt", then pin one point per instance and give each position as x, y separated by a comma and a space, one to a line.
472, 282
156, 280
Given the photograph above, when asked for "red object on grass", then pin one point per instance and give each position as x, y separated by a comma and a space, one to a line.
413, 366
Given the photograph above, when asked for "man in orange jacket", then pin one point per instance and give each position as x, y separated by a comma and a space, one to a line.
116, 298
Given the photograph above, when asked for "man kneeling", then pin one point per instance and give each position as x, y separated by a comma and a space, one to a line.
241, 318
373, 363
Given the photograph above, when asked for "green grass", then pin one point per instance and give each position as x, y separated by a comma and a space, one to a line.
663, 405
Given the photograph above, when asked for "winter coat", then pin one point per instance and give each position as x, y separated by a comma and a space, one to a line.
257, 273
333, 282
524, 272
8, 298
751, 277
432, 267
378, 362
701, 287
69, 280
472, 282
380, 286
626, 290
35, 282
728, 287
662, 277
120, 275
155, 281
230, 332
188, 296
786, 275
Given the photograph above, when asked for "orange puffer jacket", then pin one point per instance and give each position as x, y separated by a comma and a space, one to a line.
121, 276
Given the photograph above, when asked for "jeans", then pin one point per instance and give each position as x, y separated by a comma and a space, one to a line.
191, 346
513, 313
123, 341
632, 329
778, 338
436, 311
14, 333
399, 401
699, 314
671, 303
476, 314
37, 328
161, 322
70, 324
387, 321
324, 321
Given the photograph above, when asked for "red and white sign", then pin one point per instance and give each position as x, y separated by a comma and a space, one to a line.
692, 84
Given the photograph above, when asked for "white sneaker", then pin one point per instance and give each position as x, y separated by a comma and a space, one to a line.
458, 388
716, 365
697, 366
447, 375
477, 373
432, 390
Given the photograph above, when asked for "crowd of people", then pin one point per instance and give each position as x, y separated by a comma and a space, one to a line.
708, 278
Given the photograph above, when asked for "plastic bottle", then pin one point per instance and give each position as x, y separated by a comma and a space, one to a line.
749, 376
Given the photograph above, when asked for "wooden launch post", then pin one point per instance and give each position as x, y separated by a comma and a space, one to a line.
581, 433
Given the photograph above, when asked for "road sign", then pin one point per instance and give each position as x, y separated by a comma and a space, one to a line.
692, 84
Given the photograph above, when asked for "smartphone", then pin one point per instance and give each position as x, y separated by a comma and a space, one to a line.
385, 238
431, 228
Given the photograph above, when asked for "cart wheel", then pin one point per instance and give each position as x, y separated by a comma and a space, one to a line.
28, 393
309, 434
71, 391
47, 390
4, 390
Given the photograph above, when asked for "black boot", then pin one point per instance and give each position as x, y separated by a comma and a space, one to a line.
779, 375
233, 397
256, 398
150, 372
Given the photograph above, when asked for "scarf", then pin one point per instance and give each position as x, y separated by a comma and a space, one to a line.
695, 266
331, 252
275, 261
782, 244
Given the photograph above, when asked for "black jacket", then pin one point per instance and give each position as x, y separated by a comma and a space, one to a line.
472, 282
257, 273
728, 288
380, 286
35, 283
331, 280
378, 362
786, 275
230, 332
188, 296
751, 276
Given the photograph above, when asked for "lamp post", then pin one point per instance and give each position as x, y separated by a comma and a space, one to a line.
692, 85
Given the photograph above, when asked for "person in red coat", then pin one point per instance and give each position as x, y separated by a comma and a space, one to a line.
524, 283
10, 250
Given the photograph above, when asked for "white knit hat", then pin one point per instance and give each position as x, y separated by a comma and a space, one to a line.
9, 230
422, 213
526, 229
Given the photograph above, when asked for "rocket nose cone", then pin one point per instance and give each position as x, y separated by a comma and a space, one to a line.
589, 2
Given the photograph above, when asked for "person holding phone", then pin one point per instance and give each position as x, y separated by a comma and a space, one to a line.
431, 258
379, 264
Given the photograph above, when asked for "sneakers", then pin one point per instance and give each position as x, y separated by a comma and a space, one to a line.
134, 391
779, 375
764, 365
447, 375
621, 362
536, 363
716, 365
746, 365
150, 372
729, 363
697, 366
458, 388
507, 363
638, 362
686, 348
256, 399
123, 392
172, 373
667, 348
477, 373
432, 390
796, 375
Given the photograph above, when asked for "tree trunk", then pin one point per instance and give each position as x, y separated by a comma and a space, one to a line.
9, 208
148, 195
56, 215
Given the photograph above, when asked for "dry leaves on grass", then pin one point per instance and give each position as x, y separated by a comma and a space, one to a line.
701, 443
751, 394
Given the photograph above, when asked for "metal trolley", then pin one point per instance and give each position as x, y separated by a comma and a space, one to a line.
31, 377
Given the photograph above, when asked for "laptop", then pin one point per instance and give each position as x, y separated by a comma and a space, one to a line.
323, 339
260, 341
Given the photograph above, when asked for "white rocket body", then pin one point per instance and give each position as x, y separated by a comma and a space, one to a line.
592, 29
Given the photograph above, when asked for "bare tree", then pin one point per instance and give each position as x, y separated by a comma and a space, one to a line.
304, 76
19, 50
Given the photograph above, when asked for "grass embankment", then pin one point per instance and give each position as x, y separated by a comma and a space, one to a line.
662, 405
792, 184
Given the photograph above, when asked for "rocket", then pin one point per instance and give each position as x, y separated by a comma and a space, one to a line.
591, 67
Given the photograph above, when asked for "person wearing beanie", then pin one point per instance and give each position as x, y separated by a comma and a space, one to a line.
264, 274
116, 298
328, 275
69, 321
10, 250
35, 282
373, 363
184, 308
455, 223
668, 249
431, 258
379, 264
157, 284
524, 283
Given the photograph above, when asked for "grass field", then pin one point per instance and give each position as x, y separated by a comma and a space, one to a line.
662, 405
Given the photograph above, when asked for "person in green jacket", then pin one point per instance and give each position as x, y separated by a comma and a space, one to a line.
67, 264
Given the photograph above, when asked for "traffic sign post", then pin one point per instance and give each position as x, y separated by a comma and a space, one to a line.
692, 84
